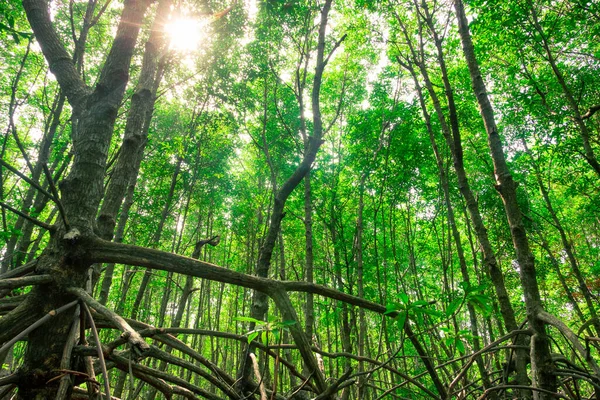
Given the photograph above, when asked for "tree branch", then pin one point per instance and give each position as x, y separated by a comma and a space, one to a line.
26, 179
101, 251
37, 324
571, 337
60, 62
99, 347
28, 217
129, 333
591, 111
20, 271
25, 281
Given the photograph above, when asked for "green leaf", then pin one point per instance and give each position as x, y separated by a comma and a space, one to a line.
419, 303
419, 317
453, 306
264, 338
252, 336
460, 346
401, 319
403, 298
432, 312
276, 334
288, 323
392, 308
482, 303
449, 340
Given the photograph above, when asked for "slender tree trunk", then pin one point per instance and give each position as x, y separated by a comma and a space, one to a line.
454, 142
584, 132
360, 284
156, 237
22, 224
567, 245
26, 246
309, 309
260, 299
457, 241
541, 361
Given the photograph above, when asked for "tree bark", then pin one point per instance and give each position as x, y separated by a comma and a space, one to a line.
259, 300
541, 362
82, 190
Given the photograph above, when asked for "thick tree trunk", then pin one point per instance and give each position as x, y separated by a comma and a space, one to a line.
82, 190
136, 127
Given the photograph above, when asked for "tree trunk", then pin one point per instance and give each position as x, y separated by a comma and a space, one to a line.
454, 142
567, 245
82, 190
541, 361
360, 279
260, 299
457, 240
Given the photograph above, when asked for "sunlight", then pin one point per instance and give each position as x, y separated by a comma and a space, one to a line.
185, 34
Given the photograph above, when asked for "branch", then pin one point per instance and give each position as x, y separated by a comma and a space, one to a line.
28, 217
571, 337
25, 281
26, 179
20, 271
162, 386
338, 385
4, 393
261, 384
223, 382
591, 111
61, 209
59, 61
10, 303
377, 363
484, 350
65, 363
335, 46
521, 387
9, 379
134, 338
37, 324
101, 251
84, 392
123, 364
99, 347
164, 335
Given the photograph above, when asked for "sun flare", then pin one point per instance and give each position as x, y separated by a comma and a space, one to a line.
185, 34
